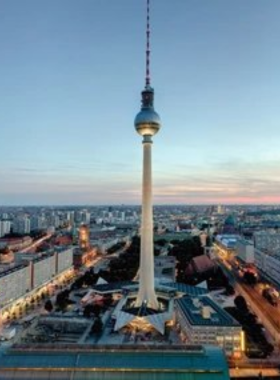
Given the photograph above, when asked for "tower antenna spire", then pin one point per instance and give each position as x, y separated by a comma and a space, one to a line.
148, 51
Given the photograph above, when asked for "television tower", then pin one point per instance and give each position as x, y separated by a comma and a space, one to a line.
147, 124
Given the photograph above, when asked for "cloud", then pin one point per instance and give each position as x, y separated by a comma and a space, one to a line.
226, 182
230, 181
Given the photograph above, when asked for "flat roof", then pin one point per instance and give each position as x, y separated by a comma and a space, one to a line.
125, 361
187, 289
113, 286
15, 268
192, 310
128, 285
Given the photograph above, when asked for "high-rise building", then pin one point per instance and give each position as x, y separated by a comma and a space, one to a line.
70, 217
38, 222
21, 225
5, 227
85, 217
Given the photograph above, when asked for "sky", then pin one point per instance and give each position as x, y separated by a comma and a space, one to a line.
72, 72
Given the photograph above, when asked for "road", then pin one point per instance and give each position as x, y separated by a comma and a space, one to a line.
268, 314
33, 246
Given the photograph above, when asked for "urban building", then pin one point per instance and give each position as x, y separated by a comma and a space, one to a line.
229, 226
245, 251
199, 264
15, 281
226, 245
43, 269
64, 259
202, 321
5, 227
269, 265
21, 225
70, 217
84, 258
165, 267
38, 223
31, 271
268, 241
114, 363
15, 244
84, 242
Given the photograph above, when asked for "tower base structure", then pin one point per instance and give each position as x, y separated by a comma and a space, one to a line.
143, 317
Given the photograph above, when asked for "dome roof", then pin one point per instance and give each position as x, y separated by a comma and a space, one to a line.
230, 221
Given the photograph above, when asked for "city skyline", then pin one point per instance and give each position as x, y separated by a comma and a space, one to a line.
70, 89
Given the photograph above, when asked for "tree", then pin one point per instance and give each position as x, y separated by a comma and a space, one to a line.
49, 305
241, 304
88, 310
43, 295
250, 278
161, 242
62, 299
229, 290
108, 300
96, 309
97, 326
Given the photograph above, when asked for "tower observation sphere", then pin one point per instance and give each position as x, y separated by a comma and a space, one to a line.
147, 121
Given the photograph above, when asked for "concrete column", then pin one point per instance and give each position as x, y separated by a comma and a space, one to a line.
146, 294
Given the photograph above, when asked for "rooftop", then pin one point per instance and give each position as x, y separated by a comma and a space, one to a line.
119, 362
11, 269
187, 289
114, 287
192, 309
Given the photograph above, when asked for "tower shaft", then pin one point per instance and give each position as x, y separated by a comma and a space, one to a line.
146, 294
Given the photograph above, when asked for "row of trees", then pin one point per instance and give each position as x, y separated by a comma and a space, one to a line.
125, 267
116, 247
256, 343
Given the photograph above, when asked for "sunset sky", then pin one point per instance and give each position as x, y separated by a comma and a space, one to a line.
71, 76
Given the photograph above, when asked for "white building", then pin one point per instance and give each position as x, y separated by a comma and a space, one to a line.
43, 268
5, 227
85, 217
70, 217
54, 221
245, 251
268, 264
38, 222
46, 266
64, 259
268, 241
202, 321
14, 283
30, 273
21, 225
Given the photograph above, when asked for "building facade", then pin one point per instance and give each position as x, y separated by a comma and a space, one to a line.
64, 259
268, 241
30, 273
43, 269
245, 251
21, 225
202, 321
14, 282
5, 227
269, 265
